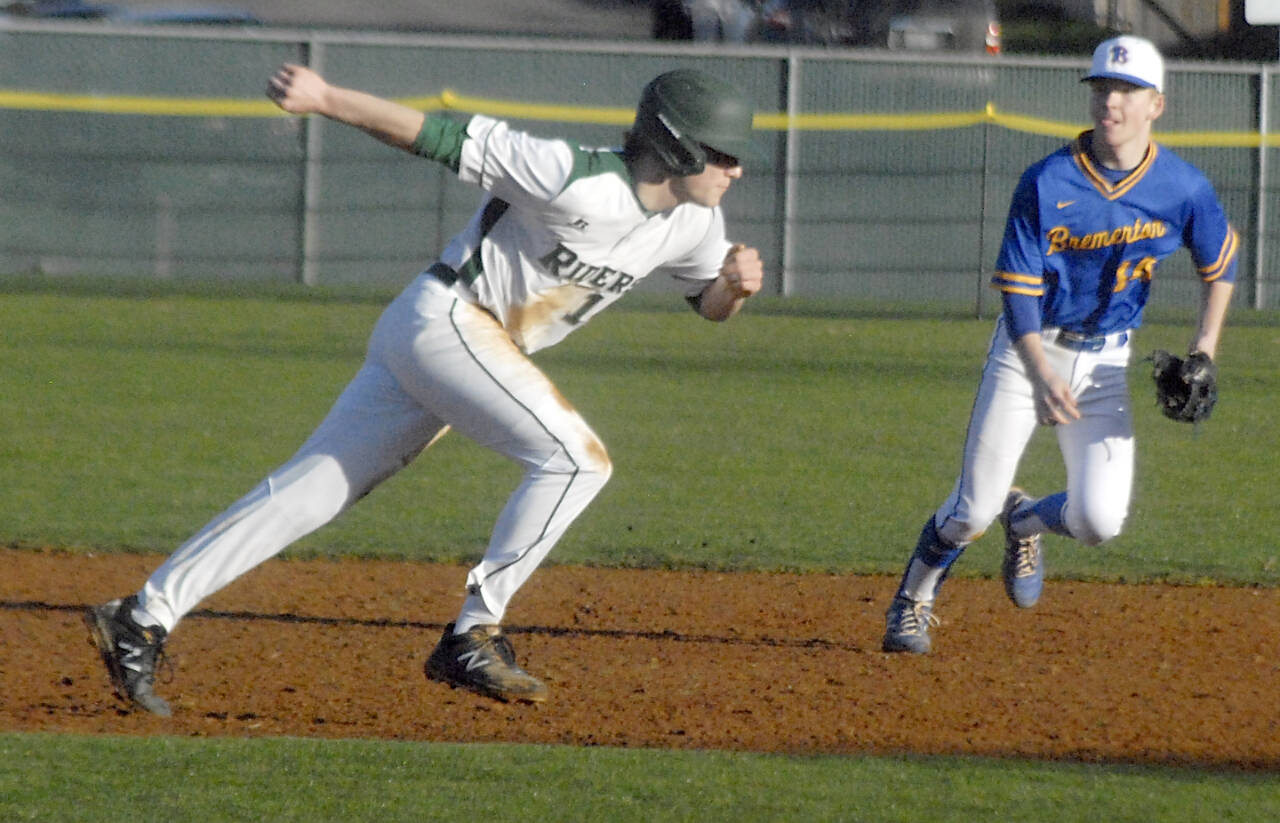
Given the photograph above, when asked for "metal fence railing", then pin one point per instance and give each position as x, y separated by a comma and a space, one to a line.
149, 151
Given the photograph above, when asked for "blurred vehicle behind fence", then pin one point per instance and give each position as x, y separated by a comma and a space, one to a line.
946, 25
926, 25
106, 12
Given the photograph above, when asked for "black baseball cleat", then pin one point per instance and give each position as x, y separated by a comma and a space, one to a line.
131, 652
482, 660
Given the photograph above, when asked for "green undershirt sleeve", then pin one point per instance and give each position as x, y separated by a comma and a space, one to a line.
441, 140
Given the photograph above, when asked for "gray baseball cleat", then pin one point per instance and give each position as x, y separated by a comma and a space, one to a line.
481, 659
131, 652
1023, 565
907, 625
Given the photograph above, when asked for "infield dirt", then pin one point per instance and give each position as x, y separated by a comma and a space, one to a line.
683, 660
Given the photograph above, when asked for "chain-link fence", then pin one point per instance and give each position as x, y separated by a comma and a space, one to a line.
153, 152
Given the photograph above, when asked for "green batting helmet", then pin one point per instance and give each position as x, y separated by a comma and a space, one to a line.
684, 110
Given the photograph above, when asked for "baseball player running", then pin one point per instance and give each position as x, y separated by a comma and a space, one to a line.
1086, 228
561, 232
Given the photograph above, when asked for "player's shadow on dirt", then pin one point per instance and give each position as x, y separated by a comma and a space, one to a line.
385, 623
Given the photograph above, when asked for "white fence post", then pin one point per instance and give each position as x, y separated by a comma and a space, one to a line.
982, 220
1260, 213
311, 159
792, 162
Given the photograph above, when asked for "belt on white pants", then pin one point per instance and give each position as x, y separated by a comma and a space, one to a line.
443, 272
1078, 341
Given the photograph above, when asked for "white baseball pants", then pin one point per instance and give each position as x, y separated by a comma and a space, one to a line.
434, 360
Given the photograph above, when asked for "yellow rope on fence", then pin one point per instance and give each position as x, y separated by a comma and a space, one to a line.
155, 106
448, 100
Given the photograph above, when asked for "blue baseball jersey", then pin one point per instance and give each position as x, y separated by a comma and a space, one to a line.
1085, 241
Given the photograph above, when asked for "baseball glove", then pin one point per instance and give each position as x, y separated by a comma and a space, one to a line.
1186, 388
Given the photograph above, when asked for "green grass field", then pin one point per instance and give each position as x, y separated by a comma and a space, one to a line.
800, 436
48, 777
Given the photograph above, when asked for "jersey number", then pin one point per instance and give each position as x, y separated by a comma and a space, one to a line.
1142, 271
575, 317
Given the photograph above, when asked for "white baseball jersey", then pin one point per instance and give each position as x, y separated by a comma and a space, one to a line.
560, 233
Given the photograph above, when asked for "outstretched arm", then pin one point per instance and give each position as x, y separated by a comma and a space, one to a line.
299, 90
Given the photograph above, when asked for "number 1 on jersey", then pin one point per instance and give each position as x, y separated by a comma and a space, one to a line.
575, 317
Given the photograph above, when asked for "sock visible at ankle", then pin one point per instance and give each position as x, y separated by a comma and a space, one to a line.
930, 561
1047, 514
921, 580
474, 613
143, 618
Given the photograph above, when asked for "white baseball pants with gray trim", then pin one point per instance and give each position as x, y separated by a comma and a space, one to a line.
1097, 449
434, 360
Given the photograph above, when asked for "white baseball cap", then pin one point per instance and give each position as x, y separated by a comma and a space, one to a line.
1132, 59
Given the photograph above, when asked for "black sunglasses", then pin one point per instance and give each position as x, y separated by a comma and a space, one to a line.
719, 158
